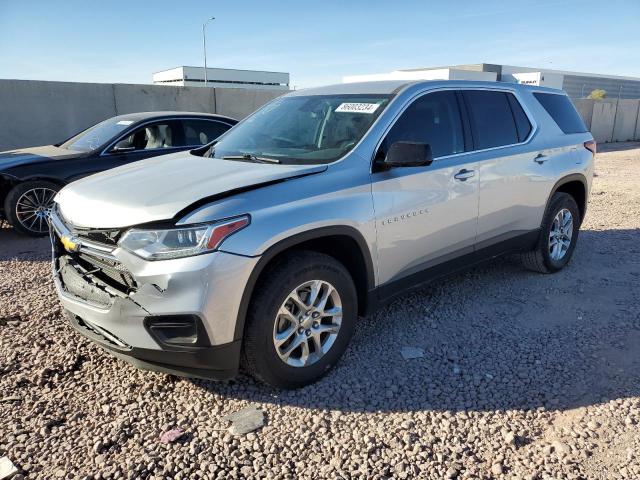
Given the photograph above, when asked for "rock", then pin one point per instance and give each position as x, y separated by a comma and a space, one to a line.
171, 436
12, 398
7, 468
510, 438
246, 420
496, 469
409, 353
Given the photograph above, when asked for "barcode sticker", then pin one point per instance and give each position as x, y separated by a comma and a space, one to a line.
357, 107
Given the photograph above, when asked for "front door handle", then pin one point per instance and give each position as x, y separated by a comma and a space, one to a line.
463, 174
540, 159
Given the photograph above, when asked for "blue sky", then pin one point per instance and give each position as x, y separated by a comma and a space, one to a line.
318, 42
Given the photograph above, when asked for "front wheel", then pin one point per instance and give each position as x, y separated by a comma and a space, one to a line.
558, 236
300, 320
27, 206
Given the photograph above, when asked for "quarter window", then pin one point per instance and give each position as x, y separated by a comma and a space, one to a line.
492, 120
434, 119
562, 111
523, 125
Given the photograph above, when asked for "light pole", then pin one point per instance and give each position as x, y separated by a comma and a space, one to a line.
204, 48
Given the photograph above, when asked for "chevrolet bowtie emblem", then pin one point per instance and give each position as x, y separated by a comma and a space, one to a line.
70, 244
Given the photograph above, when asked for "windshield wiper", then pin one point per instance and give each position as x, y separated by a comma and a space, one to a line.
247, 157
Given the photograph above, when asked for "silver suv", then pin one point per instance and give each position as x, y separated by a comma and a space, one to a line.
264, 248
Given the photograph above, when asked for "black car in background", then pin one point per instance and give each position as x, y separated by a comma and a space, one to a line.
30, 177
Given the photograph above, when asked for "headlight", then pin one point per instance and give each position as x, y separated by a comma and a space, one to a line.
180, 241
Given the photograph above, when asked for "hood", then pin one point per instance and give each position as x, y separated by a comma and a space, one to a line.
23, 156
158, 188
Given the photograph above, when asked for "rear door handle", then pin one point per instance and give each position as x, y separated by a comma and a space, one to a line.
540, 159
463, 174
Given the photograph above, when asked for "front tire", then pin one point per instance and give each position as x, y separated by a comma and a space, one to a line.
300, 320
558, 236
27, 206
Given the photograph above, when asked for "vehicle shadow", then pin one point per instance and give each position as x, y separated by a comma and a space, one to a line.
14, 246
495, 338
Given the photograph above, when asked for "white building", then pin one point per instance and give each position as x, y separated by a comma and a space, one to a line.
576, 84
444, 73
222, 77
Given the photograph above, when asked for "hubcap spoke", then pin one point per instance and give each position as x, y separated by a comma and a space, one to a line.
32, 209
560, 234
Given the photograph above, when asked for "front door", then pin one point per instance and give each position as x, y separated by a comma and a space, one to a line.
426, 215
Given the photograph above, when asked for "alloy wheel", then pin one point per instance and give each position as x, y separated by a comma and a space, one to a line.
307, 323
560, 234
32, 209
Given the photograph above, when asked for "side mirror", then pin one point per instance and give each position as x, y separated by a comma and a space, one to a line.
123, 146
409, 154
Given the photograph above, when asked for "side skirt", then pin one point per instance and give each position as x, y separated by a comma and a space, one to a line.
511, 242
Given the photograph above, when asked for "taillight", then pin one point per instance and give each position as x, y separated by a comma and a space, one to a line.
591, 146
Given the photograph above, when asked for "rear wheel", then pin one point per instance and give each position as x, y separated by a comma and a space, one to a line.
27, 206
300, 320
558, 236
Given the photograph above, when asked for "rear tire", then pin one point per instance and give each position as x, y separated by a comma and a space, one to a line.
27, 204
558, 236
276, 323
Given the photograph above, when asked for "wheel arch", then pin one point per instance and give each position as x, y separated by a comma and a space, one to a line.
576, 186
344, 243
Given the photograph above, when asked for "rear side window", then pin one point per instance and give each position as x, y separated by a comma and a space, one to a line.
562, 111
491, 117
433, 118
200, 132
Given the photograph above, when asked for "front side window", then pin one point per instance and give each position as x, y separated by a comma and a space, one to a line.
150, 137
201, 132
304, 129
96, 136
491, 119
434, 119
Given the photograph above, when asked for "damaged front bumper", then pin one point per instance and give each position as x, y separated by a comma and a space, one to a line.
176, 316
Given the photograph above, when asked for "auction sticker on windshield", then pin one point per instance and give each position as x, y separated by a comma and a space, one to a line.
358, 107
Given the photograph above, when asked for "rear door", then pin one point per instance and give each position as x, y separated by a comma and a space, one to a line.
512, 184
426, 215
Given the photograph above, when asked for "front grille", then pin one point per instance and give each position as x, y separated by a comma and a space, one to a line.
105, 237
109, 271
78, 283
94, 262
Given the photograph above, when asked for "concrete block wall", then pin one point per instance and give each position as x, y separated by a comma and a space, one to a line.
41, 113
611, 120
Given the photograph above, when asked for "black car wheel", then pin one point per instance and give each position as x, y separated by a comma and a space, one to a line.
558, 236
27, 206
300, 320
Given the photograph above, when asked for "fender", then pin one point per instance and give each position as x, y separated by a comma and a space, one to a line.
571, 178
290, 242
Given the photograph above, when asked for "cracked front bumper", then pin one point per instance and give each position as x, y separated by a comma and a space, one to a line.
206, 287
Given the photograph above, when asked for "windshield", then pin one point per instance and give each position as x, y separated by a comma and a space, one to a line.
98, 135
303, 130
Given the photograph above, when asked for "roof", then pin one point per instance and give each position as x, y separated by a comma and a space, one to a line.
380, 87
217, 68
394, 86
139, 116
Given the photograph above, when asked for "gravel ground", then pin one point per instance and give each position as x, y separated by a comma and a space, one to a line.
523, 376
